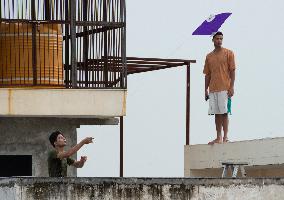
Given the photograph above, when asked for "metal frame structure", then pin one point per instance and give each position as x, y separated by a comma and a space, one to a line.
93, 37
87, 31
141, 65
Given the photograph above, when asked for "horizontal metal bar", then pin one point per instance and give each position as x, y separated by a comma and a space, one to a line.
35, 21
152, 69
100, 23
159, 59
90, 32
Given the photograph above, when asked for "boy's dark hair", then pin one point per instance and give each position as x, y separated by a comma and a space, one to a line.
53, 137
218, 33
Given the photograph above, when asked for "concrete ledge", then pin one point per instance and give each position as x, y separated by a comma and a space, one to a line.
74, 103
71, 120
264, 154
141, 188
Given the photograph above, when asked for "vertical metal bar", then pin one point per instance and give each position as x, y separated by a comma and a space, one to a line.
73, 43
105, 71
121, 147
123, 45
85, 42
47, 9
188, 104
2, 63
34, 57
0, 11
67, 64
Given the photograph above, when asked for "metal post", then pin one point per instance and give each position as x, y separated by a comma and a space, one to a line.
34, 56
187, 104
73, 43
66, 59
121, 147
85, 41
47, 9
0, 10
123, 46
105, 71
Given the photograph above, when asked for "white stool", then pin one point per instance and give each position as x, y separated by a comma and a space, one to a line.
234, 168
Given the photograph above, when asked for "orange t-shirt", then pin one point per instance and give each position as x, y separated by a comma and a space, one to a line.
218, 65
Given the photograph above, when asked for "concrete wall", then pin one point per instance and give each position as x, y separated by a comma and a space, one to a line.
265, 158
75, 103
141, 188
29, 136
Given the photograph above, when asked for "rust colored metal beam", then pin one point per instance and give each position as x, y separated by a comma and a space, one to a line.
90, 32
34, 54
100, 23
73, 43
159, 59
188, 105
121, 148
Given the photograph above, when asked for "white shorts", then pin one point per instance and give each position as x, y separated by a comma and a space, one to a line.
218, 103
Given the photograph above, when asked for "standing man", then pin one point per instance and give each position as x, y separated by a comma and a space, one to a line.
219, 70
58, 158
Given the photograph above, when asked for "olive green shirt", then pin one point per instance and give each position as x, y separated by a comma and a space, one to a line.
58, 167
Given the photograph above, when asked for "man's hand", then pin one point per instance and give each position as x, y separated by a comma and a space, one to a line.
231, 92
206, 95
87, 140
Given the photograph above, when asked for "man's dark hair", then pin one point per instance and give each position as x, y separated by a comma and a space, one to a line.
53, 137
218, 33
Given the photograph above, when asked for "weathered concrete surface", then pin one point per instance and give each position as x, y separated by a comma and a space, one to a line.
76, 103
265, 158
29, 136
141, 188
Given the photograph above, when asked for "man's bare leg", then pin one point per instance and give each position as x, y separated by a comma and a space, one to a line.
218, 124
225, 124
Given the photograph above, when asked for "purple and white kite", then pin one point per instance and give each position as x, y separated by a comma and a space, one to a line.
212, 24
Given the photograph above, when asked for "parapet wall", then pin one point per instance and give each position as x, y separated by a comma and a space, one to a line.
140, 188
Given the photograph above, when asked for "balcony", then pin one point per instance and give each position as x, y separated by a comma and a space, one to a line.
63, 58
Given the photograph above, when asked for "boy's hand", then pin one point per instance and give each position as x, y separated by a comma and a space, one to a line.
83, 159
88, 140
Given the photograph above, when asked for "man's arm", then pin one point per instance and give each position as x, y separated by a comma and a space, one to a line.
231, 89
207, 81
74, 149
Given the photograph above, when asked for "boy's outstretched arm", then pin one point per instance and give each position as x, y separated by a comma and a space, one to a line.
74, 149
80, 163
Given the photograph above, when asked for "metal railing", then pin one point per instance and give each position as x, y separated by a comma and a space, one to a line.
63, 43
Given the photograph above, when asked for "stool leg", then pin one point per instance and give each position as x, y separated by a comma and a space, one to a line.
235, 171
224, 173
243, 172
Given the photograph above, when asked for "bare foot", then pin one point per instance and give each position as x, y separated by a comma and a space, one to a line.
216, 141
225, 139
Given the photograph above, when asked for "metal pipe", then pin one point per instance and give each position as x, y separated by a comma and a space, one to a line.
47, 9
188, 104
123, 46
85, 42
67, 63
121, 147
73, 43
34, 56
105, 42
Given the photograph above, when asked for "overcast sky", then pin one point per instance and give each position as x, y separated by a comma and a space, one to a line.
155, 122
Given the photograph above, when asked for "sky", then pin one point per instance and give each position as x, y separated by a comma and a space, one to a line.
154, 132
